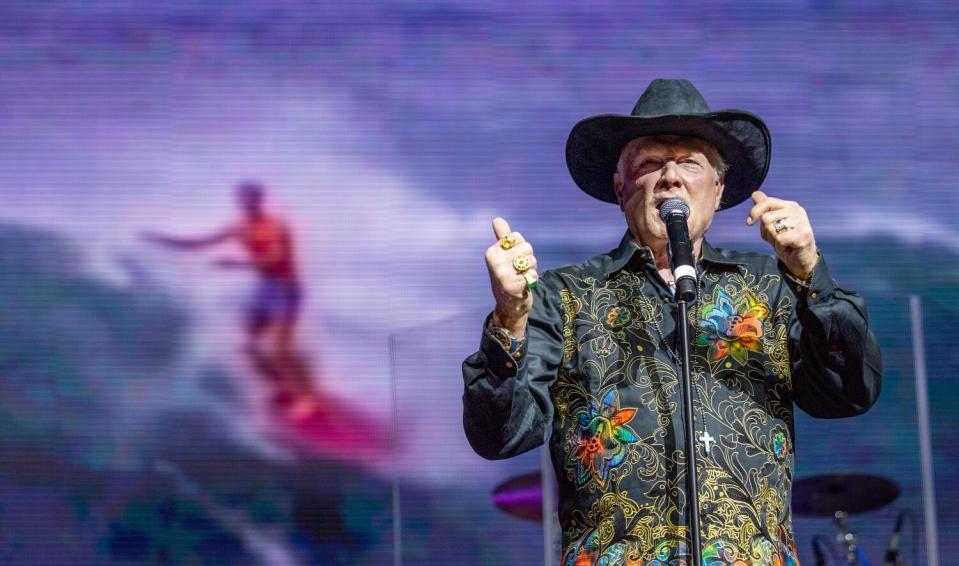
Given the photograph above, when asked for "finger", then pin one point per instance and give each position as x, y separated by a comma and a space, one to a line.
532, 260
767, 230
518, 239
796, 238
500, 227
764, 206
525, 248
766, 234
497, 253
790, 239
516, 262
497, 256
530, 278
790, 219
792, 236
758, 208
770, 218
758, 197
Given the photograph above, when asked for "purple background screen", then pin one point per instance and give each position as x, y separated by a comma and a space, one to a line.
138, 427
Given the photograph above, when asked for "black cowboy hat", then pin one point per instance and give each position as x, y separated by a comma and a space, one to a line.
670, 107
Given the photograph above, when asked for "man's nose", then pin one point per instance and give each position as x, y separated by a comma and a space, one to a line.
670, 174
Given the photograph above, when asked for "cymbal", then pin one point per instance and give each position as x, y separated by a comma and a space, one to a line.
521, 497
820, 496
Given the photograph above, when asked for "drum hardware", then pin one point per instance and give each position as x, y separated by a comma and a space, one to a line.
839, 496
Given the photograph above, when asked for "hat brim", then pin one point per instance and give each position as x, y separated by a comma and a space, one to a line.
742, 138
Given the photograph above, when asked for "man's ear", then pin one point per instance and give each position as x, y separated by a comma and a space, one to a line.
618, 189
720, 187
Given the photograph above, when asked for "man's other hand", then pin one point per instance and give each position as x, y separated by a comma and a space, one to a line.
785, 225
510, 285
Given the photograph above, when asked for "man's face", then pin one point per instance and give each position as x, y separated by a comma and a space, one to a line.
653, 170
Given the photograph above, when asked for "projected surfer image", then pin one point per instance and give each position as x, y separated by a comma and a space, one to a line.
262, 243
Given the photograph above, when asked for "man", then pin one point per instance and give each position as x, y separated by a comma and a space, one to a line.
271, 315
587, 356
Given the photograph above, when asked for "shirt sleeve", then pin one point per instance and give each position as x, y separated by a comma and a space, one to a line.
836, 363
507, 408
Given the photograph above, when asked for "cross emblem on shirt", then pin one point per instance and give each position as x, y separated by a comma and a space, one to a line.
707, 440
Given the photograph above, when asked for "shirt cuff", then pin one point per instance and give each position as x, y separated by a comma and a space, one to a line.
504, 352
820, 286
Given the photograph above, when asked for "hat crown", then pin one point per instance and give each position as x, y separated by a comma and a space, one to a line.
666, 97
670, 107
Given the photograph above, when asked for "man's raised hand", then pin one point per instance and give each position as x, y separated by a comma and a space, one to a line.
785, 225
510, 283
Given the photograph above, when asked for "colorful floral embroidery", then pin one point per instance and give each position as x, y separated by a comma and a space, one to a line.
603, 439
670, 553
583, 551
780, 445
614, 555
721, 553
776, 554
788, 556
617, 316
732, 327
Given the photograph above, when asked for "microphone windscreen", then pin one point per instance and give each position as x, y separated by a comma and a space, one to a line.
673, 206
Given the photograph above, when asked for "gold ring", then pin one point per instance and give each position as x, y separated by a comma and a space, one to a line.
779, 227
521, 263
530, 279
507, 241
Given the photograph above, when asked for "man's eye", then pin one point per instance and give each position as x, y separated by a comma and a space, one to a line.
650, 165
691, 164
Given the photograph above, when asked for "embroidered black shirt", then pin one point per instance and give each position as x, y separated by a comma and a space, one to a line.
598, 378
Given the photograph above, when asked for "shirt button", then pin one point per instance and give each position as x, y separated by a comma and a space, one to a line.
813, 295
509, 364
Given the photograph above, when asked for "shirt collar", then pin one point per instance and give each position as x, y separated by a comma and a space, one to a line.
623, 254
720, 257
628, 248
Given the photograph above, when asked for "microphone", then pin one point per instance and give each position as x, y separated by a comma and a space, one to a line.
893, 558
674, 213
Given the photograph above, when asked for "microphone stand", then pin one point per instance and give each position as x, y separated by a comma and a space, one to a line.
674, 214
692, 482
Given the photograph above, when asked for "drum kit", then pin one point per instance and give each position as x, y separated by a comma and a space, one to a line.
832, 495
839, 496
